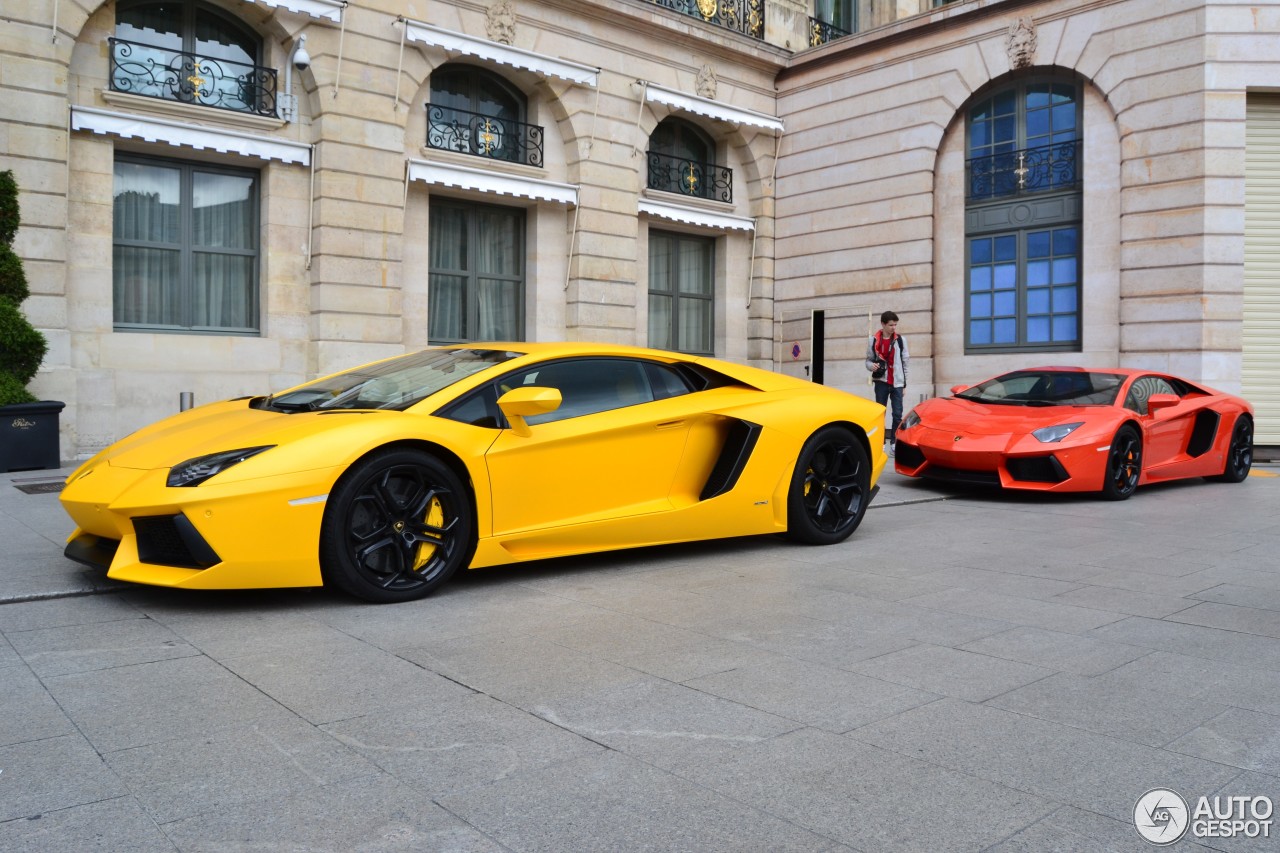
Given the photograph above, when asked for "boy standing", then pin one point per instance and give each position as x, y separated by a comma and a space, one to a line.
887, 360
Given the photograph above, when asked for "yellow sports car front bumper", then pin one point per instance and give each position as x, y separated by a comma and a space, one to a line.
241, 535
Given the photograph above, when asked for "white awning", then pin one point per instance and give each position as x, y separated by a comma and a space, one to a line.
330, 9
467, 178
200, 137
696, 216
503, 54
712, 109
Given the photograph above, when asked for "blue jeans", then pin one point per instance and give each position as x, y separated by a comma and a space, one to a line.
884, 394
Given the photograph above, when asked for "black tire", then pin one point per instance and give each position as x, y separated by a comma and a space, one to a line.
830, 488
1239, 452
1124, 464
396, 527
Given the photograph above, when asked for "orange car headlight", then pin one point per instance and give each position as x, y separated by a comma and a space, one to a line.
1053, 434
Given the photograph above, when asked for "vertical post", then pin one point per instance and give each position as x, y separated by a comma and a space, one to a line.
818, 347
186, 399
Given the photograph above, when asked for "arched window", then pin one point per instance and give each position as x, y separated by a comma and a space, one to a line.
832, 19
181, 50
1023, 218
473, 111
681, 160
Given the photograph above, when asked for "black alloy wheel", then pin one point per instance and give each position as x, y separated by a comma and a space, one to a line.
830, 488
398, 525
1124, 464
1239, 452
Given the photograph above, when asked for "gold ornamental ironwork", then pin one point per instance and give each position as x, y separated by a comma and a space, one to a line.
487, 138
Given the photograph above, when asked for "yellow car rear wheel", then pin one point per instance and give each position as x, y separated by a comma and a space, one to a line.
396, 527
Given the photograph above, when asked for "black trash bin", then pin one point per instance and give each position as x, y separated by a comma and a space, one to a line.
29, 436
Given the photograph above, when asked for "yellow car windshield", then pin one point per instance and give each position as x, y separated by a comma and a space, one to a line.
396, 383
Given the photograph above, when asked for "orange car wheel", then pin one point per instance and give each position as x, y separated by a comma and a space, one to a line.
1124, 464
396, 526
1239, 453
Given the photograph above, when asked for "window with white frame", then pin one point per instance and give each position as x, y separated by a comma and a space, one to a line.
185, 246
681, 292
476, 272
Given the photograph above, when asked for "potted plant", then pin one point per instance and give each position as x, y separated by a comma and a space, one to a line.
28, 427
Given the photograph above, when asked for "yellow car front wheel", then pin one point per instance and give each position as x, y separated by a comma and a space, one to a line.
830, 488
397, 525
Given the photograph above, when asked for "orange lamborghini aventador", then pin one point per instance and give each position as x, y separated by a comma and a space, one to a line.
1072, 429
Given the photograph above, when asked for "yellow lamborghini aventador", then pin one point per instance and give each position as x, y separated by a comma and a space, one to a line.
385, 479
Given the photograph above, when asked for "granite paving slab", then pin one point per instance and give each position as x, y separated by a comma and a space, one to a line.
676, 654
53, 773
1246, 739
1232, 617
652, 718
951, 672
1070, 829
1109, 707
27, 711
459, 743
859, 795
342, 678
64, 612
610, 801
1248, 596
129, 706
1092, 772
1211, 643
521, 669
1238, 685
1056, 650
51, 652
115, 825
813, 694
1124, 601
1019, 611
257, 760
371, 813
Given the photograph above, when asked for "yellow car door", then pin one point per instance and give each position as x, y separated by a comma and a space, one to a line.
610, 450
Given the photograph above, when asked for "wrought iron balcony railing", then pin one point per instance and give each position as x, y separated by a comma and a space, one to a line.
689, 177
743, 16
821, 32
1029, 170
159, 72
450, 129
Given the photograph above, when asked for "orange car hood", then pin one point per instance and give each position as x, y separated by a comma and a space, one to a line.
965, 416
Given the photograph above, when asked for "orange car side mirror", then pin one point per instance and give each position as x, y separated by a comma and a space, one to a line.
956, 389
1159, 402
519, 403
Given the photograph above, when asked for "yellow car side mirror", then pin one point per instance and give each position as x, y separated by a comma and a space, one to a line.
519, 403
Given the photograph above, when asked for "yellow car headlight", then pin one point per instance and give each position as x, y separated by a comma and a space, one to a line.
195, 471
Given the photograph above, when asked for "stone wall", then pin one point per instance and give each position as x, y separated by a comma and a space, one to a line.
870, 184
343, 243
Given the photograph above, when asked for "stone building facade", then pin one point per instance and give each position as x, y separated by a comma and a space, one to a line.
320, 183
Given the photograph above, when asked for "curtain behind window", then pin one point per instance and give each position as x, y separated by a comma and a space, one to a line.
185, 248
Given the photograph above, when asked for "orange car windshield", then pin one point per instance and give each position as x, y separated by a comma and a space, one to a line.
1047, 388
396, 383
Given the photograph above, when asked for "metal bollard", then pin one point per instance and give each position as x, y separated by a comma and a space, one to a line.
186, 399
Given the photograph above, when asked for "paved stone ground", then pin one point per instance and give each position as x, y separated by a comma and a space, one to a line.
972, 671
